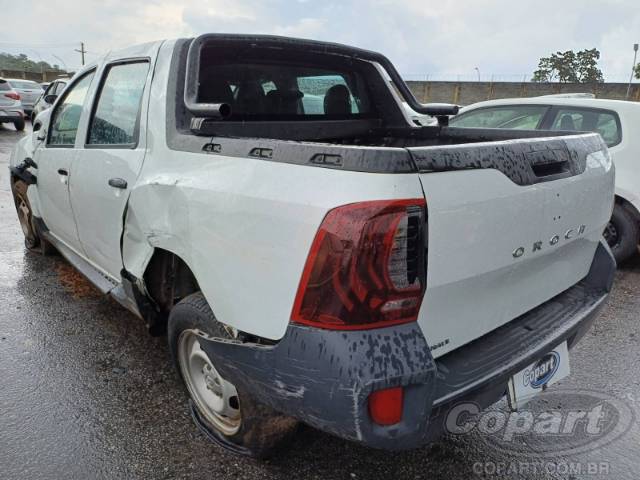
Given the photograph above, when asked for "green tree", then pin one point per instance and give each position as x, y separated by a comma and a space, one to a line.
570, 67
22, 62
587, 66
637, 70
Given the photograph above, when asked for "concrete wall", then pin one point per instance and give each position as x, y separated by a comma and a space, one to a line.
46, 76
465, 93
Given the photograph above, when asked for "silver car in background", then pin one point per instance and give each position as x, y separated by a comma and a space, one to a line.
51, 92
10, 106
29, 92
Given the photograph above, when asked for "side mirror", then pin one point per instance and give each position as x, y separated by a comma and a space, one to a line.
50, 98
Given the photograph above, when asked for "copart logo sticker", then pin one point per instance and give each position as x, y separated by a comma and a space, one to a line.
555, 423
542, 371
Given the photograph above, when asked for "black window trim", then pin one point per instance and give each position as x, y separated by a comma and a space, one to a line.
49, 87
60, 100
543, 119
96, 98
556, 108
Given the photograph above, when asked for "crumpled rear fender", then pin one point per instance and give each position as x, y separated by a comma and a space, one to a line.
156, 217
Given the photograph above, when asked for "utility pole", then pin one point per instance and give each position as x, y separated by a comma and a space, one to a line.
82, 51
633, 69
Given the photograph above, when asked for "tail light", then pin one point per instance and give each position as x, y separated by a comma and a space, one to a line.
12, 95
366, 267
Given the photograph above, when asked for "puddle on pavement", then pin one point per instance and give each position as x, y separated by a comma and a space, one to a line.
75, 283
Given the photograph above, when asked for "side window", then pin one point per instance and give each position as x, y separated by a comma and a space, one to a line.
569, 120
603, 122
521, 117
64, 123
59, 88
50, 89
608, 127
116, 115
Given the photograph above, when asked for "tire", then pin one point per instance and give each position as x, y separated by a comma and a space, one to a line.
32, 240
258, 430
622, 234
19, 124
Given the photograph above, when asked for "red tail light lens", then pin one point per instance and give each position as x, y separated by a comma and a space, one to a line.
366, 267
12, 95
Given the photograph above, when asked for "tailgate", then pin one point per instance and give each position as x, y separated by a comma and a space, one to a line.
511, 224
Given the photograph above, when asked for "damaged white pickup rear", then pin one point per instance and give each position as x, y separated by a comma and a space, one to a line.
311, 253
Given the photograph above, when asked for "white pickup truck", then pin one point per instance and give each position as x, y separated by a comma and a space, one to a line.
343, 266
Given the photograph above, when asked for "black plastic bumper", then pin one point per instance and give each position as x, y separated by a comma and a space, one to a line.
10, 118
324, 377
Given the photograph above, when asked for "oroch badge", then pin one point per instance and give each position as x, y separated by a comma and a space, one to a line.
554, 240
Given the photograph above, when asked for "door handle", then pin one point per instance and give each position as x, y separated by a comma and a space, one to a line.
118, 183
62, 171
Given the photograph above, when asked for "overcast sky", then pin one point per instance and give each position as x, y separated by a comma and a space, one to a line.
436, 38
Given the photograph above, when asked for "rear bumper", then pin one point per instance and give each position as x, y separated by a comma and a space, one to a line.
324, 377
7, 115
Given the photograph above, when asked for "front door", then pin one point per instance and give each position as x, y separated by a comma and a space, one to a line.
54, 159
108, 164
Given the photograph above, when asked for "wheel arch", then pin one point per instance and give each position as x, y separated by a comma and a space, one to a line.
627, 205
165, 280
34, 200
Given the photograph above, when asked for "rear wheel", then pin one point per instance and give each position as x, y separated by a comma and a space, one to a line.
19, 124
227, 413
622, 234
32, 240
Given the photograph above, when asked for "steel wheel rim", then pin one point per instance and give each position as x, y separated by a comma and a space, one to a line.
611, 235
216, 399
24, 213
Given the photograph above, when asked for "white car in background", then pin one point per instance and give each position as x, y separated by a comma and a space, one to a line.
616, 121
10, 106
49, 95
29, 92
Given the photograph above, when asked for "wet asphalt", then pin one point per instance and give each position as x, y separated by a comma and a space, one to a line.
86, 393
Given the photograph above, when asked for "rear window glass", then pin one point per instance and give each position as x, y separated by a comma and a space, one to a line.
523, 117
115, 120
25, 85
60, 86
260, 89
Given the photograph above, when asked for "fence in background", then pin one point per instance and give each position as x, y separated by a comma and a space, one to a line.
458, 92
45, 76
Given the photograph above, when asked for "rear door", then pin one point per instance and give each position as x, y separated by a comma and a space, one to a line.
498, 245
110, 160
55, 158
